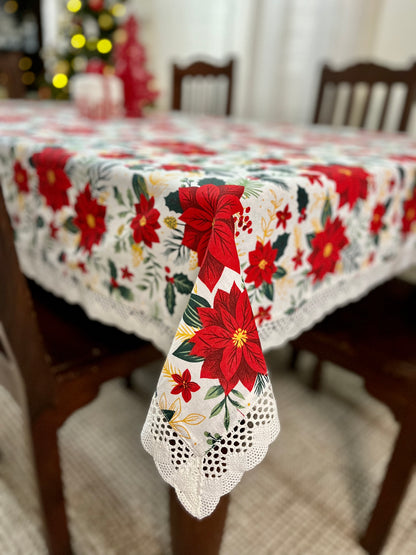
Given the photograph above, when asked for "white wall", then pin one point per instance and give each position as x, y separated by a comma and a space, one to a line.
186, 29
395, 38
280, 45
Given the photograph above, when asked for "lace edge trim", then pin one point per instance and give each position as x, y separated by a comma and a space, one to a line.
93, 304
330, 299
203, 494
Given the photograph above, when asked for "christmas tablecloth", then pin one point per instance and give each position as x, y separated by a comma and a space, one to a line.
214, 239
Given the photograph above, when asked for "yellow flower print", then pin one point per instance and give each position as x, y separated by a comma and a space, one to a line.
193, 261
172, 414
185, 332
137, 255
171, 222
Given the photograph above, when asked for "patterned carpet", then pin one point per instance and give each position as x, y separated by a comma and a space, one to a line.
311, 495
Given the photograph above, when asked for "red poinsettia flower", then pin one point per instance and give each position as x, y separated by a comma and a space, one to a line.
185, 385
302, 215
82, 267
270, 161
53, 181
229, 341
262, 265
327, 246
263, 314
53, 229
89, 219
21, 177
283, 216
351, 181
126, 274
409, 214
180, 167
187, 149
208, 214
297, 259
403, 157
116, 155
377, 220
313, 178
145, 223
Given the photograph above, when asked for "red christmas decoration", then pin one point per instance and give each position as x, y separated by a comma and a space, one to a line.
96, 5
130, 62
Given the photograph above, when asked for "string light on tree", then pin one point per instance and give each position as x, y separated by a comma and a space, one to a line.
118, 10
104, 46
78, 40
87, 31
74, 6
60, 80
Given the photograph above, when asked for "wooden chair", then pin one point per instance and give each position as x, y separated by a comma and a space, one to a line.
369, 74
63, 358
10, 74
376, 341
201, 97
376, 338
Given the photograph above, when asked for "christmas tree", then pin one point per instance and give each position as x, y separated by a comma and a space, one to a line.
96, 36
87, 31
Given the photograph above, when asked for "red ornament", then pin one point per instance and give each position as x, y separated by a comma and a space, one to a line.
96, 5
95, 65
130, 61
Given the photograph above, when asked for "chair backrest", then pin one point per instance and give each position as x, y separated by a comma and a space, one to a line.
10, 74
19, 322
370, 74
203, 94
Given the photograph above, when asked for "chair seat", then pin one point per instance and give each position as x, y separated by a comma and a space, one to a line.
376, 333
71, 338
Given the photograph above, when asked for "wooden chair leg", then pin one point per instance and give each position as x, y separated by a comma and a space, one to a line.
294, 359
393, 489
316, 379
190, 535
128, 382
44, 432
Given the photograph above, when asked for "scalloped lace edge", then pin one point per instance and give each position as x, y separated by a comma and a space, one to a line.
197, 493
96, 306
344, 291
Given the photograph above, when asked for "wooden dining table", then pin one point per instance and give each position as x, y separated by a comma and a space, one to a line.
213, 238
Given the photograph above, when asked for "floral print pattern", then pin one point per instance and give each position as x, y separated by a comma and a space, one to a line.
53, 181
262, 265
326, 249
90, 219
209, 227
351, 182
228, 341
215, 246
145, 223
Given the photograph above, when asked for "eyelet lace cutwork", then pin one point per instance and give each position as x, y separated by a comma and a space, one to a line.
201, 481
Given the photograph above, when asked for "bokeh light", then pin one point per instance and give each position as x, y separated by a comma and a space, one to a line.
60, 80
104, 46
118, 10
78, 41
10, 6
105, 21
28, 77
74, 6
25, 63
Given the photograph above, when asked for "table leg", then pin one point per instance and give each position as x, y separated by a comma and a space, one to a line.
190, 535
